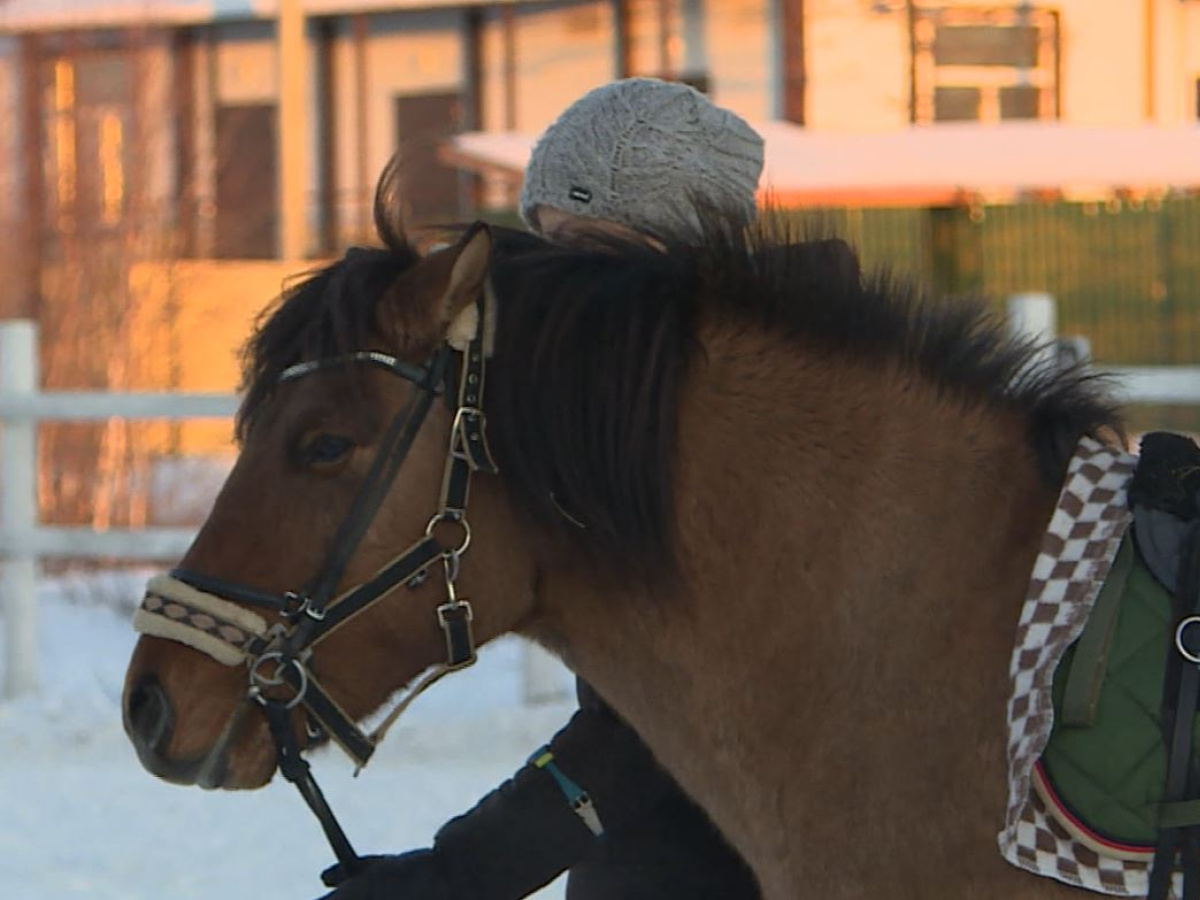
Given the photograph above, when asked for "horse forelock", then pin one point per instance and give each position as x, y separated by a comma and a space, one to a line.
328, 312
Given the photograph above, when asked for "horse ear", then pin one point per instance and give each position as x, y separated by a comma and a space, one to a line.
434, 302
467, 275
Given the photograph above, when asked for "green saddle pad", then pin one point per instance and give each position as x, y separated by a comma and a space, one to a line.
1105, 764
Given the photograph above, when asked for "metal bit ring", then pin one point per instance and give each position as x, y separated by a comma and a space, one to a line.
259, 681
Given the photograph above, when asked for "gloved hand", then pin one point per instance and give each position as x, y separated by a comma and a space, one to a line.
415, 875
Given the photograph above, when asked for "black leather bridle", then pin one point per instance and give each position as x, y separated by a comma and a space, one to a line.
281, 658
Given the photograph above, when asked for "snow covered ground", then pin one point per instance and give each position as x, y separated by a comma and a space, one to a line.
81, 819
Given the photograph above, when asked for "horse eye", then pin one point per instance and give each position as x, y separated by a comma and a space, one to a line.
327, 449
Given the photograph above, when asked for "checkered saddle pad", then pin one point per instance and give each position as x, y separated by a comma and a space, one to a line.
1081, 543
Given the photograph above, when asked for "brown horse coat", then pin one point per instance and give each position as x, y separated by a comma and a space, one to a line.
808, 519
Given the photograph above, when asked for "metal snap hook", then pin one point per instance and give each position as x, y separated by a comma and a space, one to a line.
452, 562
260, 680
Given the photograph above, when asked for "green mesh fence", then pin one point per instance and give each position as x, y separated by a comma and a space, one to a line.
1126, 276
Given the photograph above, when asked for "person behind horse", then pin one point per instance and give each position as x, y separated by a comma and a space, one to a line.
633, 160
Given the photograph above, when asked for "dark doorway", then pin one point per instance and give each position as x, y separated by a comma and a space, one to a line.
429, 189
247, 195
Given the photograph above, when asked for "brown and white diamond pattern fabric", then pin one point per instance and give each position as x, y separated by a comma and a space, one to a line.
1043, 846
200, 620
1082, 540
228, 633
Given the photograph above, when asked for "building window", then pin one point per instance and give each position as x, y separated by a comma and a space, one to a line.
88, 114
985, 65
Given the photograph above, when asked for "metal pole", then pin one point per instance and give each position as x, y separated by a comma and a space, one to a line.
508, 31
362, 144
292, 137
795, 67
910, 22
1149, 58
695, 40
666, 67
622, 40
18, 513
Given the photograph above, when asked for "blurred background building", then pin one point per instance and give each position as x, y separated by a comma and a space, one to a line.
165, 163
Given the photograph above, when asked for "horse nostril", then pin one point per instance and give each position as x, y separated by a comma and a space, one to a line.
149, 714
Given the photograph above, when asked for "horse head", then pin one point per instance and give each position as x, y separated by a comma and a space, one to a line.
333, 567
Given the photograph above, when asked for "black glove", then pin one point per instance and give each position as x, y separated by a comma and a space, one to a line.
522, 835
416, 875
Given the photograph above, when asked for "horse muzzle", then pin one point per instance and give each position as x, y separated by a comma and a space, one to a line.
171, 743
149, 720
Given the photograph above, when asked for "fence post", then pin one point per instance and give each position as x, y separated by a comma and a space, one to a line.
543, 675
18, 512
1034, 316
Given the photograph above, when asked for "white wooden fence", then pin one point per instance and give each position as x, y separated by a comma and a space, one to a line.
24, 540
1035, 315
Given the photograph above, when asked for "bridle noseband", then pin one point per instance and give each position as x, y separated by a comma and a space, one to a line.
209, 614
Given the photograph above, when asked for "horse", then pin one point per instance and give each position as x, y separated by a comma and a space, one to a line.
784, 526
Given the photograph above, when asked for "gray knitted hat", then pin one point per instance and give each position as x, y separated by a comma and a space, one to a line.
644, 153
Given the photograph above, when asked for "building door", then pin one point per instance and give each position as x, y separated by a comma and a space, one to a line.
429, 189
247, 193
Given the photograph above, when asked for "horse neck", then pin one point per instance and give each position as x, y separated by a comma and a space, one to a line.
844, 529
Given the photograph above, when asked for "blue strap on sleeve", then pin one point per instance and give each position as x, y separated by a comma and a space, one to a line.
577, 798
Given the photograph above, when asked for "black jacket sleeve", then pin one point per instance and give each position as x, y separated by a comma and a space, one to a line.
524, 834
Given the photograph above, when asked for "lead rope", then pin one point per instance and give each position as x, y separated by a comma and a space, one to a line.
296, 770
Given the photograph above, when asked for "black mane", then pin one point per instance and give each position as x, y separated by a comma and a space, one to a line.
593, 345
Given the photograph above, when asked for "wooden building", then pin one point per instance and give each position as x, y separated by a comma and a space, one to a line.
164, 164
171, 109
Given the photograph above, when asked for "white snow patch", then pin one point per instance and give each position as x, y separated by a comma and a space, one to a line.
82, 819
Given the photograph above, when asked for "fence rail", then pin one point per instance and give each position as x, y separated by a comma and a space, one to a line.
1156, 384
24, 539
100, 406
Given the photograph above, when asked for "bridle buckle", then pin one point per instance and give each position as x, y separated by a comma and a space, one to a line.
299, 605
455, 617
454, 611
